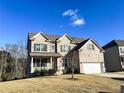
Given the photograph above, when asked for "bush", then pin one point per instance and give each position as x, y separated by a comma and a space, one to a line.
52, 71
76, 71
68, 71
44, 72
6, 76
64, 71
36, 73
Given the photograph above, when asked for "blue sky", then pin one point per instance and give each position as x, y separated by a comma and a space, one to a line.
102, 20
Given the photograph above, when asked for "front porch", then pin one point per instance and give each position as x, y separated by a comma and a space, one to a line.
39, 63
46, 61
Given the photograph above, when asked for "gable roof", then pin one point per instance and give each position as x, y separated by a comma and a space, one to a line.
39, 34
76, 48
56, 37
114, 43
66, 36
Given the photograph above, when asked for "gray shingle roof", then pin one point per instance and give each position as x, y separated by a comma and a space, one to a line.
55, 37
119, 42
76, 48
114, 43
45, 54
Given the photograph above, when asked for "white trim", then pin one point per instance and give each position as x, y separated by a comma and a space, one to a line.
38, 35
90, 68
94, 43
64, 36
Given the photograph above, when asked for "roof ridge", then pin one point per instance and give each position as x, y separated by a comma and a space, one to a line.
54, 36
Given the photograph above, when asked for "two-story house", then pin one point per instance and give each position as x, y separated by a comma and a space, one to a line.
47, 51
114, 55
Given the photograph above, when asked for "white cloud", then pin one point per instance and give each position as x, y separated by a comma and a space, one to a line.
75, 18
79, 22
70, 12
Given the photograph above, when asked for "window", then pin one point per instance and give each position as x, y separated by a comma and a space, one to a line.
122, 50
40, 47
40, 62
36, 47
91, 47
43, 62
65, 61
53, 48
65, 48
34, 64
122, 59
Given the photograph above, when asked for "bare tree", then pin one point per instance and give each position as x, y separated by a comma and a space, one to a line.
72, 69
72, 63
18, 52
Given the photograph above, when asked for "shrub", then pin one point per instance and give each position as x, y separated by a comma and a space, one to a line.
6, 76
44, 72
68, 70
36, 73
76, 71
64, 71
52, 71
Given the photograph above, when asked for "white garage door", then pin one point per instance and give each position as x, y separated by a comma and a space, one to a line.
91, 68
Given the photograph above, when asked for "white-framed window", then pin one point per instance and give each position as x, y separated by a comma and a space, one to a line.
40, 62
91, 47
65, 48
122, 59
53, 48
122, 50
40, 47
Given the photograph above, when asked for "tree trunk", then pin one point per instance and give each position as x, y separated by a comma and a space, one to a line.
16, 68
72, 69
72, 73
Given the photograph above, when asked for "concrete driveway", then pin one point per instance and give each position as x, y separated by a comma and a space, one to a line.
111, 75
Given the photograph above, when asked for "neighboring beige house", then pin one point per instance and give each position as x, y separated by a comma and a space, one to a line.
114, 55
50, 52
86, 57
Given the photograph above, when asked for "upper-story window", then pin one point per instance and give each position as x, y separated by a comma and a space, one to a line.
122, 50
52, 48
40, 47
65, 48
91, 47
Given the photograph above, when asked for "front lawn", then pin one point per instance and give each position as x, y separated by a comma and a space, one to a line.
62, 84
121, 72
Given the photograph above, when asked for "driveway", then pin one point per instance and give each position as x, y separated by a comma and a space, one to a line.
111, 75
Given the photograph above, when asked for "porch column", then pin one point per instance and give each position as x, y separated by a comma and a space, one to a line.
51, 63
32, 65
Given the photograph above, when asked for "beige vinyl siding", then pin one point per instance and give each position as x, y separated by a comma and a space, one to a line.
87, 55
64, 41
84, 55
41, 40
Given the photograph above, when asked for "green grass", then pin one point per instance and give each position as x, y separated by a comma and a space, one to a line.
62, 84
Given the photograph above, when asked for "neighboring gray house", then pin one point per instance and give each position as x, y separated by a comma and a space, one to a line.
114, 55
86, 57
49, 52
